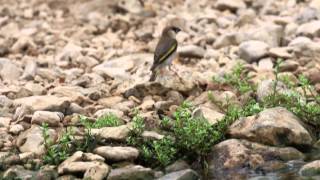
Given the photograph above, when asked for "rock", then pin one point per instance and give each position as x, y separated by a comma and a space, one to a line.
191, 51
265, 64
268, 32
8, 70
211, 115
310, 29
5, 121
117, 153
51, 118
18, 172
288, 65
98, 171
74, 93
313, 75
151, 135
31, 138
315, 4
110, 102
306, 15
234, 159
274, 126
30, 70
70, 53
135, 172
87, 163
177, 166
231, 5
187, 174
129, 70
224, 40
280, 52
36, 88
44, 103
141, 90
24, 44
310, 169
103, 112
119, 133
251, 51
266, 87
16, 129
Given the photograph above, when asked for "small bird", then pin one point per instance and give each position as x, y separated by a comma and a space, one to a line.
166, 50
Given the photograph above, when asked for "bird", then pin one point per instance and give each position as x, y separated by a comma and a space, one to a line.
165, 51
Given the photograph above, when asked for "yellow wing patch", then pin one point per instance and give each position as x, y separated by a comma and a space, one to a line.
168, 52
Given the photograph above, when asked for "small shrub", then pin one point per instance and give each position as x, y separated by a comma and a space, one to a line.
108, 120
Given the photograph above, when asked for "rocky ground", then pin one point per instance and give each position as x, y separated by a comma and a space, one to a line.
61, 59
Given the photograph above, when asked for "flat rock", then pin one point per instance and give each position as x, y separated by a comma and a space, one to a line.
191, 51
51, 118
274, 126
117, 153
134, 172
119, 133
44, 103
187, 174
232, 5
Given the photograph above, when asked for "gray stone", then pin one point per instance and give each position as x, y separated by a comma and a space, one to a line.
134, 172
187, 174
310, 169
191, 51
251, 51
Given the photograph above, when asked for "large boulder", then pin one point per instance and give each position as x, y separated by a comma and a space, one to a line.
274, 126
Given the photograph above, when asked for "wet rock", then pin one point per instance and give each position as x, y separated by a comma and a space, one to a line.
231, 5
119, 133
135, 172
31, 138
252, 51
310, 169
310, 29
191, 51
117, 153
234, 159
274, 126
8, 70
51, 118
187, 174
44, 103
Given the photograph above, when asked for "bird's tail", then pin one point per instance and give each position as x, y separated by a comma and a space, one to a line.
153, 76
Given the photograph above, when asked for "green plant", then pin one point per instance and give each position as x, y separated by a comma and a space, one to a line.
89, 141
238, 79
56, 153
108, 120
165, 150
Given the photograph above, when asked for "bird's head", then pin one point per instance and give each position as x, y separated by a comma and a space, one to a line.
171, 31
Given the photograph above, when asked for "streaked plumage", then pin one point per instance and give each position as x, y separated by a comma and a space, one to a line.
166, 50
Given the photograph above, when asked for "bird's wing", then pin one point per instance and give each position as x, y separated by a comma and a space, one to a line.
165, 48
